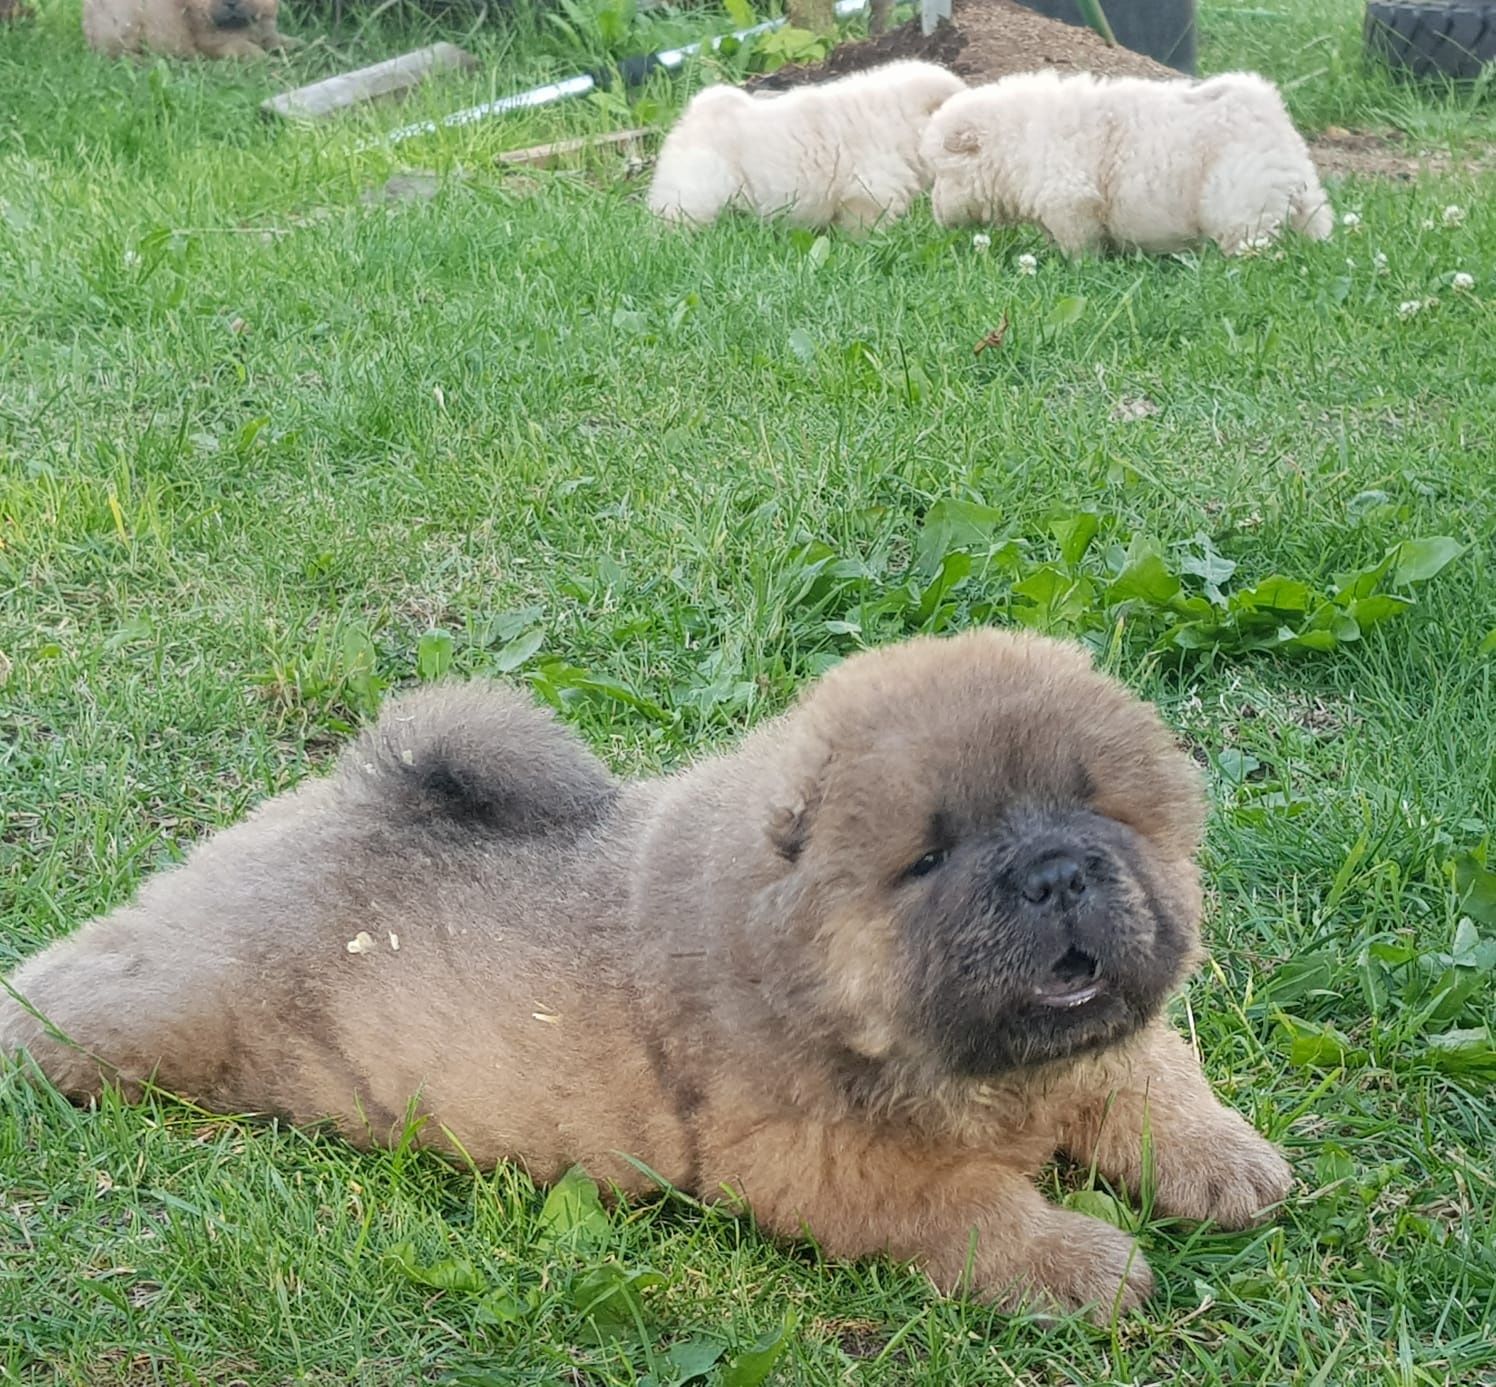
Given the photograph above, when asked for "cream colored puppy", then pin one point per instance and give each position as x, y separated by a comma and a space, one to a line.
184, 28
844, 153
1153, 166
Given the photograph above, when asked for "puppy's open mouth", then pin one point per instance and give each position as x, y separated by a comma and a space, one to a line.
1074, 980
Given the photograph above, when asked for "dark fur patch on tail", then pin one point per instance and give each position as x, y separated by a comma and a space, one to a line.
480, 756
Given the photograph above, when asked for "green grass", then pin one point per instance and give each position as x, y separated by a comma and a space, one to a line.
261, 438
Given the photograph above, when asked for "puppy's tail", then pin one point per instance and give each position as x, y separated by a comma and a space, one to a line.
477, 755
1310, 213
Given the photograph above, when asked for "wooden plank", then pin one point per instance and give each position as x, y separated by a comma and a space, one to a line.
547, 153
334, 94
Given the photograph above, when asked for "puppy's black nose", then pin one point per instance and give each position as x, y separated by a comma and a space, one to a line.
1055, 879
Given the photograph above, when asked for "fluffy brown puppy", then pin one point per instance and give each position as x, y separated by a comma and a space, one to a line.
184, 28
867, 972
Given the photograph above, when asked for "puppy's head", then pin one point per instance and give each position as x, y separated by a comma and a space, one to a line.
950, 150
993, 850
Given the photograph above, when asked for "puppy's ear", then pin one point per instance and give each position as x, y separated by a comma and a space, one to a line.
963, 139
789, 824
797, 804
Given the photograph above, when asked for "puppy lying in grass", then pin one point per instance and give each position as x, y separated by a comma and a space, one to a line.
1129, 163
184, 28
863, 974
844, 153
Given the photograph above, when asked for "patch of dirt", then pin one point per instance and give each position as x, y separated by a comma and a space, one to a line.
984, 40
858, 1338
1386, 154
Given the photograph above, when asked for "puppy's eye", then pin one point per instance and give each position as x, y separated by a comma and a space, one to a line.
926, 864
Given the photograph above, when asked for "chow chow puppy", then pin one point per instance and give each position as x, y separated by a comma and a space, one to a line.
1126, 162
843, 153
863, 975
184, 28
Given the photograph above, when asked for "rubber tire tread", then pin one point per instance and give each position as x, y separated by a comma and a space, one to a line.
1455, 39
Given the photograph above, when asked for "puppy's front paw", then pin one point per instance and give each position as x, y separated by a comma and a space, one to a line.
1230, 1175
1081, 1262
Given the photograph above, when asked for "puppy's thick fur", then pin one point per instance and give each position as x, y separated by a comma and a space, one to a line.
867, 972
183, 28
843, 153
1126, 162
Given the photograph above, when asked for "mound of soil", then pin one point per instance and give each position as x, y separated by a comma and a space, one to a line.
984, 40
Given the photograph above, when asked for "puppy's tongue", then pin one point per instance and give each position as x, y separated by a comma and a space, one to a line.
1074, 981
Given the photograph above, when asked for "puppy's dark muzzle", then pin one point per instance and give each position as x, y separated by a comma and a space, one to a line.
1052, 881
231, 14
1044, 941
1062, 885
1053, 892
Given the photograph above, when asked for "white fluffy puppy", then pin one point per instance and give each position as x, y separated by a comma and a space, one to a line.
844, 153
1153, 166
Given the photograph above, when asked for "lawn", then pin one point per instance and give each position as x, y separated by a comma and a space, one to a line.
273, 443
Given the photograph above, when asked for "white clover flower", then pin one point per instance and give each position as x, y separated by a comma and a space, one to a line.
1351, 220
1409, 307
1028, 265
981, 243
131, 259
1462, 281
1427, 224
1379, 263
1454, 215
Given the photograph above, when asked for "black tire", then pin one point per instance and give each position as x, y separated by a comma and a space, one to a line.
1432, 38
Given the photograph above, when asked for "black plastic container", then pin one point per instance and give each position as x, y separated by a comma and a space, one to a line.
1163, 29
